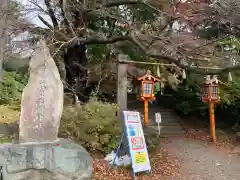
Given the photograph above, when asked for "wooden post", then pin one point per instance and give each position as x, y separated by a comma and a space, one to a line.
122, 83
122, 96
212, 122
145, 113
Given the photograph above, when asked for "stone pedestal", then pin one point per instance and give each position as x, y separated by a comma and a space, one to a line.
61, 160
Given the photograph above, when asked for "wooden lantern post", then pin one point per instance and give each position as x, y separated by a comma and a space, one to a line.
146, 92
210, 94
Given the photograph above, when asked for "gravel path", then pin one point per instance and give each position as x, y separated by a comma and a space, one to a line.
200, 161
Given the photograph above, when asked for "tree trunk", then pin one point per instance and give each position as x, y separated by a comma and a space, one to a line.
61, 67
75, 59
3, 24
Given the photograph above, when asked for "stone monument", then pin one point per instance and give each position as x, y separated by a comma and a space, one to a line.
40, 154
42, 99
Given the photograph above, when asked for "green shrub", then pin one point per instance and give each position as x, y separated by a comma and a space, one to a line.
95, 125
17, 64
187, 100
11, 88
152, 139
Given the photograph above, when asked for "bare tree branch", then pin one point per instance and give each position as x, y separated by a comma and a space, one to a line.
133, 40
119, 3
51, 13
66, 21
175, 59
142, 49
62, 36
45, 22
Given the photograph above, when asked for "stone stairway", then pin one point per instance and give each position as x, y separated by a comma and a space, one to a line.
170, 126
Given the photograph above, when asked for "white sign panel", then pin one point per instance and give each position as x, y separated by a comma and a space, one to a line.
136, 141
158, 118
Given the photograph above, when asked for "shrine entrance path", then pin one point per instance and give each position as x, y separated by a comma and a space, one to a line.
200, 160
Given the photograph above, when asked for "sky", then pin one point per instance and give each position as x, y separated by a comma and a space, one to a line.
32, 14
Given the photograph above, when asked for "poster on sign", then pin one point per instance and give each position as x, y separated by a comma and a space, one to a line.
140, 158
137, 145
132, 118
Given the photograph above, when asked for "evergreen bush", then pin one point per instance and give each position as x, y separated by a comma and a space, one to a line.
186, 100
97, 127
11, 88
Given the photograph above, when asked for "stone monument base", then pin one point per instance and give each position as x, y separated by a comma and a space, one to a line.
59, 160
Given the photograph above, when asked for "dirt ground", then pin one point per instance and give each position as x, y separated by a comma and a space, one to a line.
200, 160
192, 157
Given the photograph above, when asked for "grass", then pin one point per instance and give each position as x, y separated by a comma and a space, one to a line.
8, 114
5, 139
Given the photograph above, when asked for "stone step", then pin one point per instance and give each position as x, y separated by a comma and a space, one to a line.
165, 114
172, 129
170, 132
153, 111
162, 111
170, 126
154, 108
166, 135
165, 118
168, 116
166, 123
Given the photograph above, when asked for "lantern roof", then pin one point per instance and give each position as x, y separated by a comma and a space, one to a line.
148, 76
211, 80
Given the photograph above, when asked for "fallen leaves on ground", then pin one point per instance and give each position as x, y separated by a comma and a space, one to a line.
163, 165
202, 133
226, 143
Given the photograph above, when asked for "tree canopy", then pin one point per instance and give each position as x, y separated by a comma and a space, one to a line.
191, 34
161, 30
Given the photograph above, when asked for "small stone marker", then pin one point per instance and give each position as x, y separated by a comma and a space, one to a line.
158, 120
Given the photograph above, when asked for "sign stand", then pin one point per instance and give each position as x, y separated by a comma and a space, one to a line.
158, 120
136, 142
117, 152
118, 149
